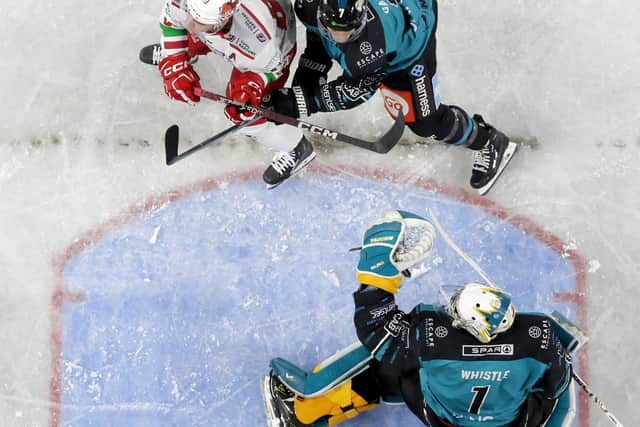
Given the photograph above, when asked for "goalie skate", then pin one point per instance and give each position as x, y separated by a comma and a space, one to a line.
278, 402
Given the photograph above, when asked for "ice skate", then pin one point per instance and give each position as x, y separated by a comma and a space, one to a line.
490, 160
278, 402
286, 164
152, 54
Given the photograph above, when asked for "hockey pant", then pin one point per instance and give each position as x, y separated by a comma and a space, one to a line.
268, 134
415, 90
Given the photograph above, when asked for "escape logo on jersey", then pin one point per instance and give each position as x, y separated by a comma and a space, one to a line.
370, 57
442, 332
487, 350
535, 332
429, 330
365, 48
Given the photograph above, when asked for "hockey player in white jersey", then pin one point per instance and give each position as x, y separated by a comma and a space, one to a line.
258, 38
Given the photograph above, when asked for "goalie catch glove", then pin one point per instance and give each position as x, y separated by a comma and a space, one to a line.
392, 244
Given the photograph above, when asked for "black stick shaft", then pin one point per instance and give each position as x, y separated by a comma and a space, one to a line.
383, 145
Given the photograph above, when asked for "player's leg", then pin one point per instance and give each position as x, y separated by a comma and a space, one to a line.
293, 149
415, 90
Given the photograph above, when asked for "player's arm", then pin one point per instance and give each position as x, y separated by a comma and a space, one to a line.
383, 329
344, 93
179, 77
387, 252
174, 36
314, 64
558, 374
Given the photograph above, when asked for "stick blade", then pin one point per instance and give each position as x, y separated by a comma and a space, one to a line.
171, 144
393, 135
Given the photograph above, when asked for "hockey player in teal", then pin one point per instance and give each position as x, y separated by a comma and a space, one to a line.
472, 363
391, 45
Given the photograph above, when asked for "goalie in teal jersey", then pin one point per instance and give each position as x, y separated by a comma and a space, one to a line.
475, 362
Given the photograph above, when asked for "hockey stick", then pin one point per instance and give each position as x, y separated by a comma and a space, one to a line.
172, 138
382, 145
478, 270
596, 399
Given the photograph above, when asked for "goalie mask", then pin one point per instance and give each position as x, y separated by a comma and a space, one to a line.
214, 14
482, 310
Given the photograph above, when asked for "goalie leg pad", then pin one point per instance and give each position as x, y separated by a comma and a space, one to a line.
340, 404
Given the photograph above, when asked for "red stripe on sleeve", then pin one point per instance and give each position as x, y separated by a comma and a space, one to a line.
175, 45
247, 54
262, 27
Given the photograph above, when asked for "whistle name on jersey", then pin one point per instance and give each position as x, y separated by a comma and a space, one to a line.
485, 375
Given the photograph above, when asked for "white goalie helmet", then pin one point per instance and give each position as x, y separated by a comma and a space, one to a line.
483, 311
212, 12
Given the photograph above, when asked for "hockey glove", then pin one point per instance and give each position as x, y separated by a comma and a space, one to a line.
180, 79
293, 102
310, 74
392, 244
245, 88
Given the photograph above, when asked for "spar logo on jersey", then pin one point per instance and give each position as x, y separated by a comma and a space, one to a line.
487, 350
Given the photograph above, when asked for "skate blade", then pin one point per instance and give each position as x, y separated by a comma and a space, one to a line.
297, 169
506, 158
272, 417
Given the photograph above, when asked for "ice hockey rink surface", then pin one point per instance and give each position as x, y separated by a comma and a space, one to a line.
137, 294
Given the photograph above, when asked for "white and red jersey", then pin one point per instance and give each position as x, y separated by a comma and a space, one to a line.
261, 38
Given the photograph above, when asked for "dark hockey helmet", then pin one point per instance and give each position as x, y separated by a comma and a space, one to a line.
343, 15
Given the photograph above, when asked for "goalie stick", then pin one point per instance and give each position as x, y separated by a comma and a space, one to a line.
381, 145
172, 139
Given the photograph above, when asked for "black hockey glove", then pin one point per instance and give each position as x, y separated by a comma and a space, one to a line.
293, 102
310, 74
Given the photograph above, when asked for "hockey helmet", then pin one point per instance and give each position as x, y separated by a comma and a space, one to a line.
343, 15
215, 13
483, 311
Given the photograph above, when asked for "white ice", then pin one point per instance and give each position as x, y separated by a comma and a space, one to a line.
83, 121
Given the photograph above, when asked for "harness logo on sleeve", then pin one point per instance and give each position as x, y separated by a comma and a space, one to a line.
417, 70
423, 96
487, 350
